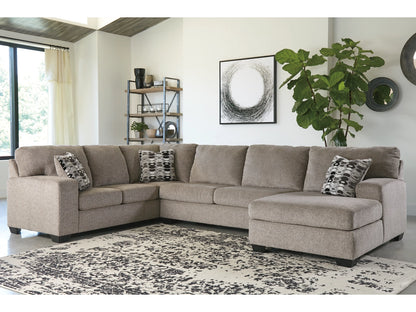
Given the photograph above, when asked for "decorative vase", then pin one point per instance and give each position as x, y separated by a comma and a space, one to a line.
139, 74
138, 134
151, 133
148, 81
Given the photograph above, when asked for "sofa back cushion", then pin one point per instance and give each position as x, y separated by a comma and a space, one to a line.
131, 155
184, 159
39, 160
218, 164
276, 166
386, 163
107, 165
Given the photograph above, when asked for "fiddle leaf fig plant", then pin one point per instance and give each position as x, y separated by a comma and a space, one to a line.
328, 102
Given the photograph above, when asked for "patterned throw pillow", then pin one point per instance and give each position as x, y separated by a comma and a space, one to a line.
73, 169
343, 176
157, 166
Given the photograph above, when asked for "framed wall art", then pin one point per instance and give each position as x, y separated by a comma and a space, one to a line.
248, 90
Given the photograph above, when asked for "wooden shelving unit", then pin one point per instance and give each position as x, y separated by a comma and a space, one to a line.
167, 110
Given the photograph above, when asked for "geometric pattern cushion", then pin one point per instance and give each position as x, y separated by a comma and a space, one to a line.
156, 167
343, 176
73, 169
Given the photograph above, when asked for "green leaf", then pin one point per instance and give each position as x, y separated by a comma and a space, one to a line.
322, 123
293, 68
303, 55
327, 52
321, 101
341, 86
305, 120
350, 43
315, 60
334, 78
358, 97
357, 127
302, 90
304, 107
339, 138
336, 47
286, 56
339, 97
376, 61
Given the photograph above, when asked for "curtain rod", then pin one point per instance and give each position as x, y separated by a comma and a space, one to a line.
37, 43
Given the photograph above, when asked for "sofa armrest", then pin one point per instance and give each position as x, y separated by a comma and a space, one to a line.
392, 195
47, 204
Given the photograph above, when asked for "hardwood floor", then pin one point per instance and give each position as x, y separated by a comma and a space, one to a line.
404, 250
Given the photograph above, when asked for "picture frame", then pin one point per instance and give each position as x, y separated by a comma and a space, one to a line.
248, 90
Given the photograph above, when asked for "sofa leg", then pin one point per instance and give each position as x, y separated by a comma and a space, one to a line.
14, 230
398, 238
258, 248
60, 239
346, 262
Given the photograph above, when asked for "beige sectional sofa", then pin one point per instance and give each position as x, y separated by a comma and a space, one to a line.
274, 191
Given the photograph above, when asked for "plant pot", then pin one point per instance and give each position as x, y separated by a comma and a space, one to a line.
138, 134
151, 133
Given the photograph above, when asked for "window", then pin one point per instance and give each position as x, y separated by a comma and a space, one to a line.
24, 102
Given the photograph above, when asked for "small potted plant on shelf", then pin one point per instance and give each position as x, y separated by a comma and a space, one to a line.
138, 128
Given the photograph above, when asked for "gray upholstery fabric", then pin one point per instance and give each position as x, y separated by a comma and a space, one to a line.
46, 204
131, 155
116, 215
386, 162
107, 165
97, 197
316, 210
218, 164
184, 159
241, 196
13, 170
327, 242
275, 166
392, 194
38, 160
236, 217
189, 192
133, 193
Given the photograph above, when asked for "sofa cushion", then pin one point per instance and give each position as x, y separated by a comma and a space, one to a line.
275, 166
184, 159
131, 155
157, 166
69, 166
107, 164
132, 193
317, 210
241, 196
98, 197
218, 164
39, 160
343, 176
188, 192
386, 163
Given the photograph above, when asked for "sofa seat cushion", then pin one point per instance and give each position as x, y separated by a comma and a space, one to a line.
241, 196
202, 193
317, 210
98, 197
133, 193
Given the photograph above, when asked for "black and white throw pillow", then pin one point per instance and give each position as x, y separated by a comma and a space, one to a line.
343, 176
73, 169
156, 167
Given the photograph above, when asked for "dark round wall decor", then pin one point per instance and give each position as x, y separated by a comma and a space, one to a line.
407, 59
382, 94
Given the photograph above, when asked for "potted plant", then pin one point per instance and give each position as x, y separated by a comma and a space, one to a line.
329, 103
138, 128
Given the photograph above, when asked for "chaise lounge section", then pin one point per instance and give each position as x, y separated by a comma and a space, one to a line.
274, 191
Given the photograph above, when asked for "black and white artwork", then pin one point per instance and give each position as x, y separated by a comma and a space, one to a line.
247, 90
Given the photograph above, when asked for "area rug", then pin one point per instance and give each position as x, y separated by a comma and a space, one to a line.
173, 259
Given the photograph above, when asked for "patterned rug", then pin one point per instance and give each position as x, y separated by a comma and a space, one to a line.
172, 259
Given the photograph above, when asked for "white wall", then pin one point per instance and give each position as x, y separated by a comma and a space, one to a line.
113, 72
210, 40
396, 127
86, 88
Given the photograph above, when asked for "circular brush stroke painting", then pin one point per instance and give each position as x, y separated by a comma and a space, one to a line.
247, 90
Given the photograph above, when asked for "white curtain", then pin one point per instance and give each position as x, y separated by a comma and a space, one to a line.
62, 111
